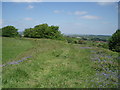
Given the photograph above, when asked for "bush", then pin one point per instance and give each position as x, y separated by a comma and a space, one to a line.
71, 40
114, 42
103, 45
9, 31
44, 31
81, 42
75, 42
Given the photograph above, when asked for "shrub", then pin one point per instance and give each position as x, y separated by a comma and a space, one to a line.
103, 45
81, 42
44, 31
72, 40
114, 41
9, 31
75, 42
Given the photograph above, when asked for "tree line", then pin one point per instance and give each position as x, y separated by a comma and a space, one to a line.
39, 31
52, 32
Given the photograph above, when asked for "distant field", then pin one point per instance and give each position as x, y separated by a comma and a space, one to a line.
89, 37
57, 64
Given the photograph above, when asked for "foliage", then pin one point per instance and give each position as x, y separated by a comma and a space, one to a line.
69, 39
74, 40
81, 42
83, 38
114, 41
106, 66
9, 31
98, 39
92, 37
0, 31
43, 31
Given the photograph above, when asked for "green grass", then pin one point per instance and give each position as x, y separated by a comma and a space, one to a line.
0, 58
11, 48
0, 50
54, 64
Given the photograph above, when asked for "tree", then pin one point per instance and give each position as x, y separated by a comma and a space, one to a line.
9, 31
114, 41
28, 32
43, 31
52, 32
0, 31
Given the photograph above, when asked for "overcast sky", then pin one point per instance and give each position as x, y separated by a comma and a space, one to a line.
71, 17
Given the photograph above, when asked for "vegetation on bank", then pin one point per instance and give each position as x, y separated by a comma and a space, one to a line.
9, 31
52, 32
57, 64
45, 58
74, 40
44, 31
114, 42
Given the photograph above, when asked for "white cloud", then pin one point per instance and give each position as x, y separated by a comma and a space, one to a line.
30, 6
22, 0
105, 3
77, 13
80, 12
57, 11
28, 19
90, 17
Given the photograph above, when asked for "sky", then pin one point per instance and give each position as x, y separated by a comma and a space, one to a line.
99, 18
60, 0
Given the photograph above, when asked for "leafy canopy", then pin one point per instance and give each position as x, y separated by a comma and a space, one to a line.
114, 41
43, 31
9, 31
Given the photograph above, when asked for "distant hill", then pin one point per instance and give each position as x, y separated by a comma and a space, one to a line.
89, 37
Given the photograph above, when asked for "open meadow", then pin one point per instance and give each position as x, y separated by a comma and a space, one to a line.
47, 63
63, 44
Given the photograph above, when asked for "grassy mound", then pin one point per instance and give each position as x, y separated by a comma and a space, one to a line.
53, 64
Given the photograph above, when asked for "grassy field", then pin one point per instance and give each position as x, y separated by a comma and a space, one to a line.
14, 47
57, 64
0, 61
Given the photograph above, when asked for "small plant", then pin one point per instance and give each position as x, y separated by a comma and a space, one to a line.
81, 42
57, 53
